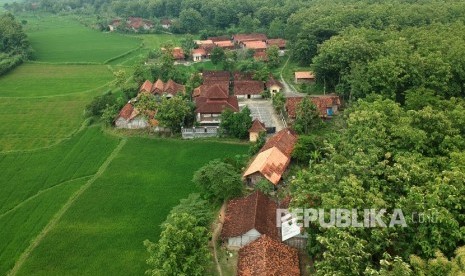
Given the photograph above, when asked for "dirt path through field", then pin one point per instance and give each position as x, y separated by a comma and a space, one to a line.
289, 90
56, 218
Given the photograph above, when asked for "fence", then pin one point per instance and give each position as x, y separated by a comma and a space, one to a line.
199, 132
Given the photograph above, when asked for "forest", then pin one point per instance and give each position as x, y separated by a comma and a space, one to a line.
14, 45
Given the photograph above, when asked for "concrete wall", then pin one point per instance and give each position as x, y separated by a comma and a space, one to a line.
240, 241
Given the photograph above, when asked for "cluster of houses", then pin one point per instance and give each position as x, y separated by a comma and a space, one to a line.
136, 23
256, 42
251, 223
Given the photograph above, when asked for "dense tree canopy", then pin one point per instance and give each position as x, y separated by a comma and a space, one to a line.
14, 45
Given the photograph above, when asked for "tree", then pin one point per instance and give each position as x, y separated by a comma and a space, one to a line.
218, 181
236, 124
257, 145
217, 55
182, 248
172, 112
99, 103
191, 21
109, 114
308, 147
146, 104
187, 44
120, 77
265, 186
278, 101
273, 56
307, 117
166, 69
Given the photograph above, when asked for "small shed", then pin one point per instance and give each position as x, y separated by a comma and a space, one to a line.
304, 77
255, 130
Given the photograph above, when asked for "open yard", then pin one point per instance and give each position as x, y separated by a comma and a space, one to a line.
103, 231
60, 39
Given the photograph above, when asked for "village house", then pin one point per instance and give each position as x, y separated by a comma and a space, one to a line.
166, 23
131, 118
248, 218
226, 44
114, 24
304, 77
273, 158
265, 257
327, 105
260, 56
250, 89
239, 39
279, 42
219, 38
167, 90
257, 46
137, 23
273, 85
255, 130
212, 100
199, 54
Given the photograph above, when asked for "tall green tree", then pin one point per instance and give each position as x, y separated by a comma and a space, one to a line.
217, 55
307, 117
272, 54
172, 113
236, 124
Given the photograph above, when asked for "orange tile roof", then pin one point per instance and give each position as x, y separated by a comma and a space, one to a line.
271, 163
224, 44
255, 211
272, 81
304, 75
284, 140
249, 37
260, 56
178, 53
170, 87
322, 102
199, 51
281, 43
268, 257
255, 45
126, 111
257, 126
219, 38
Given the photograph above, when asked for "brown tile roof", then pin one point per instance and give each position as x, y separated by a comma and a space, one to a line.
225, 44
165, 21
257, 126
219, 38
170, 87
271, 163
248, 87
304, 75
202, 90
255, 45
216, 76
272, 81
284, 140
260, 56
239, 38
146, 86
216, 106
200, 42
126, 111
322, 102
240, 76
268, 257
255, 211
281, 43
137, 22
178, 53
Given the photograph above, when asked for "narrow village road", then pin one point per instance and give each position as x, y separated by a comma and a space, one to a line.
288, 89
215, 235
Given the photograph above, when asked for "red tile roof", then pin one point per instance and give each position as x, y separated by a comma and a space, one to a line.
268, 257
272, 81
255, 211
137, 22
249, 87
239, 38
322, 102
225, 44
170, 87
216, 106
202, 90
284, 140
126, 111
216, 76
178, 53
241, 76
260, 56
146, 86
199, 51
255, 45
281, 43
257, 126
219, 38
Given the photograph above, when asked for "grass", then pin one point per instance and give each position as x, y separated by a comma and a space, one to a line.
102, 233
59, 39
35, 185
37, 80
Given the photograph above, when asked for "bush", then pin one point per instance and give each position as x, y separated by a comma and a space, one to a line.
100, 103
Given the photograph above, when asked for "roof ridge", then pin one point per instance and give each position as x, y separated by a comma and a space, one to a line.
255, 211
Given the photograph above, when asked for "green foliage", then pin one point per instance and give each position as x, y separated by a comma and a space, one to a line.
217, 55
236, 124
14, 44
307, 117
109, 114
173, 112
197, 207
257, 145
187, 44
278, 101
386, 157
146, 103
182, 248
191, 21
440, 265
273, 56
265, 186
99, 103
308, 148
218, 181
